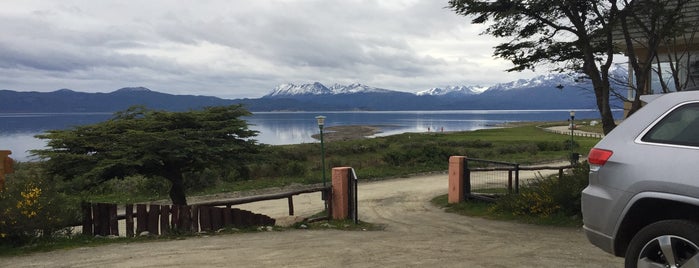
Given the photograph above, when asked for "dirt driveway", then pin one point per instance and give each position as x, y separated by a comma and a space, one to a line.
417, 234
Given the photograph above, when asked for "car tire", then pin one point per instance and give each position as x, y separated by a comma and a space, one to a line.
668, 243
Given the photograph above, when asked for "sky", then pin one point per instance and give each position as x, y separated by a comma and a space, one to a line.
242, 48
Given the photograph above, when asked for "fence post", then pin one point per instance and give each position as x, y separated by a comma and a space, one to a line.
128, 210
113, 222
456, 179
87, 218
340, 193
517, 178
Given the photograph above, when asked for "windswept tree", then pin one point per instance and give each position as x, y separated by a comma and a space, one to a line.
572, 35
151, 143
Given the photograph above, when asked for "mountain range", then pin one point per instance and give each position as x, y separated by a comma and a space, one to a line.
553, 91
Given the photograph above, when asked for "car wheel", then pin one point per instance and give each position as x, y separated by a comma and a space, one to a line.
669, 243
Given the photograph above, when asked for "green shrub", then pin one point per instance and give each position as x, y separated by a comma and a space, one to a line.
518, 148
135, 185
548, 196
32, 208
550, 145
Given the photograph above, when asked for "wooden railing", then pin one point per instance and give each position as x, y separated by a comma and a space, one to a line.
102, 219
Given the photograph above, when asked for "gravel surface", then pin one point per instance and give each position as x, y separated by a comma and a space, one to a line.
417, 234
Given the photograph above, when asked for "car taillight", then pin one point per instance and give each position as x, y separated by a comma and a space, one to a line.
599, 156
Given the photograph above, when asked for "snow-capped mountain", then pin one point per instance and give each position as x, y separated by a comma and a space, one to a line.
452, 90
316, 88
290, 89
356, 88
547, 80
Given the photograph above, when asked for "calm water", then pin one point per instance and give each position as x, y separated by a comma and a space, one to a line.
17, 130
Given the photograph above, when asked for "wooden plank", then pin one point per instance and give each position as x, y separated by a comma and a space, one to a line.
227, 217
87, 218
237, 216
195, 218
128, 209
291, 205
113, 222
164, 219
216, 218
185, 220
175, 217
250, 199
153, 214
97, 219
141, 218
205, 218
248, 218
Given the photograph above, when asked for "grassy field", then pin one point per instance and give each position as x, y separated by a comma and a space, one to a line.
376, 158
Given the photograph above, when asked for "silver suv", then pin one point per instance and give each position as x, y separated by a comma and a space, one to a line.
642, 201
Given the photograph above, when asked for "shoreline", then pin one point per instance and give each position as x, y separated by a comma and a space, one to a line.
349, 132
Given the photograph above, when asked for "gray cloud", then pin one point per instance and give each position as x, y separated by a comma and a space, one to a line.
240, 48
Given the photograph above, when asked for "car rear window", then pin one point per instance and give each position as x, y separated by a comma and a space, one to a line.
679, 127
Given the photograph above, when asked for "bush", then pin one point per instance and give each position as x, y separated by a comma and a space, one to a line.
548, 196
31, 208
518, 148
551, 145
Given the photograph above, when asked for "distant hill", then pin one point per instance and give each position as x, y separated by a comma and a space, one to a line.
554, 91
65, 101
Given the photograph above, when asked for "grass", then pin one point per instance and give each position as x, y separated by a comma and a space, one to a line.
382, 157
483, 209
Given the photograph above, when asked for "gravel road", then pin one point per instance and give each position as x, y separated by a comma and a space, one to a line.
417, 234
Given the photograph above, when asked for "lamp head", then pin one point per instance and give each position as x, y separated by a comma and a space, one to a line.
321, 121
572, 113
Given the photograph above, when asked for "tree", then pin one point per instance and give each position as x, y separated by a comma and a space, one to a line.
151, 143
572, 35
663, 32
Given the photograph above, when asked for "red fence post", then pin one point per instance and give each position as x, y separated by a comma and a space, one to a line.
340, 193
456, 179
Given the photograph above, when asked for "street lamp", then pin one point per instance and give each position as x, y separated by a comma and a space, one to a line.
321, 123
573, 157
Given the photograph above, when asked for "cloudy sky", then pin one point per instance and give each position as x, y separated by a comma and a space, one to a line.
241, 48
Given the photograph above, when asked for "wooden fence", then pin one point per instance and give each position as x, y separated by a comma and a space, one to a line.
102, 218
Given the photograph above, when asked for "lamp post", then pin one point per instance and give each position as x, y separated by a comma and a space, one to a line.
321, 123
572, 128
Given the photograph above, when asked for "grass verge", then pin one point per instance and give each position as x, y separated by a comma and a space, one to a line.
483, 209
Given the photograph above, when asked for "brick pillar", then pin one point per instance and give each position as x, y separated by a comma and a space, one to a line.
456, 179
340, 196
5, 166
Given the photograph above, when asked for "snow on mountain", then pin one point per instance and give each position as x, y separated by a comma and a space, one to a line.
449, 90
290, 89
320, 89
132, 89
356, 88
547, 80
552, 80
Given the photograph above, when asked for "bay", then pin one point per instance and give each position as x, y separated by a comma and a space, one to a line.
17, 130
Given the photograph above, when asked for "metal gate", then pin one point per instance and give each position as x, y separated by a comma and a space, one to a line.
486, 179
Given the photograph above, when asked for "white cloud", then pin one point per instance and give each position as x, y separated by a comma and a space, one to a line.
240, 48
